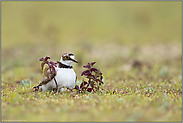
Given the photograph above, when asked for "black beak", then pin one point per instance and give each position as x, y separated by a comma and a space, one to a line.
74, 60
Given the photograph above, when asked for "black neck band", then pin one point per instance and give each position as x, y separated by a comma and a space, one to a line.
63, 66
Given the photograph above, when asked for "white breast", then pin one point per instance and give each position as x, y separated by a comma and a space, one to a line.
65, 78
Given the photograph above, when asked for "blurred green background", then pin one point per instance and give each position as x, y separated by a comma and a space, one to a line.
72, 23
137, 42
110, 33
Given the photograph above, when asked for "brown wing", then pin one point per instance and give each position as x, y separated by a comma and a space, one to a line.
46, 79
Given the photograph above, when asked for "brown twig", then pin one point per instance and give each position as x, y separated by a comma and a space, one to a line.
56, 84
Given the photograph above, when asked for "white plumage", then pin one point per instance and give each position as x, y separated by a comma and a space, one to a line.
65, 77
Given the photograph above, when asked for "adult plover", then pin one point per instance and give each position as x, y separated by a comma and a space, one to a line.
65, 75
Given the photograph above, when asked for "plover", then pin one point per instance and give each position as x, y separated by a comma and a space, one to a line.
65, 75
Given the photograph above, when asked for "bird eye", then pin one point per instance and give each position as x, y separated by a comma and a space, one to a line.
66, 57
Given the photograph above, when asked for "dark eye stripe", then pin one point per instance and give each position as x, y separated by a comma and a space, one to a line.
67, 54
70, 54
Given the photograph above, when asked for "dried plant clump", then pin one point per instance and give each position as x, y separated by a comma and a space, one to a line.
51, 66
